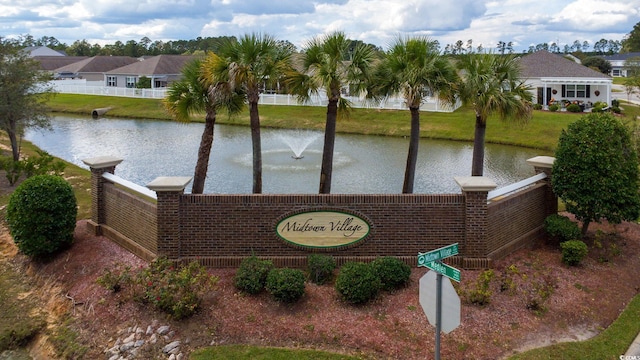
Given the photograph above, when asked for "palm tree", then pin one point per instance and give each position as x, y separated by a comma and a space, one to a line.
491, 84
194, 94
414, 68
329, 64
254, 61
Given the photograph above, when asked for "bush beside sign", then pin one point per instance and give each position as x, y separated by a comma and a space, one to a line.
322, 229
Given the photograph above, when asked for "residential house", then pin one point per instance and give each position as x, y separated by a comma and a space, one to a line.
34, 51
161, 69
94, 68
555, 79
52, 63
618, 61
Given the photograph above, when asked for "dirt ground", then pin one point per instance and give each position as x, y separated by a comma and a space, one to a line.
583, 301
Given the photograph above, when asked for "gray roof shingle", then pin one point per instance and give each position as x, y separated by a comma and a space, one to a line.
98, 64
157, 65
51, 63
621, 56
545, 64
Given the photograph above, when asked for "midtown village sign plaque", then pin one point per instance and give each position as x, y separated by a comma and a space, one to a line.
322, 229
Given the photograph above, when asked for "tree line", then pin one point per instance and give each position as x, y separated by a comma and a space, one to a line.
600, 47
148, 47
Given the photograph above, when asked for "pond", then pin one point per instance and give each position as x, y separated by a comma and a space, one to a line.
362, 163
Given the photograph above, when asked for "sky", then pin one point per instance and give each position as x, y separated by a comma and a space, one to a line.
378, 22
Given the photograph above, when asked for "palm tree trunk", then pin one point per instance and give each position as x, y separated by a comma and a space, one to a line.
329, 143
477, 162
412, 156
257, 146
202, 164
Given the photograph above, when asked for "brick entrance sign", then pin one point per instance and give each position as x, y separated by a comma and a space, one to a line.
221, 230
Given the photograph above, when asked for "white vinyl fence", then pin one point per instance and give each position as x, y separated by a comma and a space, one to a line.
81, 86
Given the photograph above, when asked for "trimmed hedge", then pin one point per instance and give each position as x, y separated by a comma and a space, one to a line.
561, 228
393, 273
42, 215
251, 276
320, 268
357, 283
573, 251
286, 285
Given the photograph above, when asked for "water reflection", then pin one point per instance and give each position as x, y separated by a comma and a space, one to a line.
362, 164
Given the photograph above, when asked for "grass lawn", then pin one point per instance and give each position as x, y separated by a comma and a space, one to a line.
20, 320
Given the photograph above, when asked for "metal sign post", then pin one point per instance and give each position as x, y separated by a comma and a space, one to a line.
438, 313
433, 260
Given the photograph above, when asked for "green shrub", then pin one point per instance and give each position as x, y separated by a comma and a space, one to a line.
574, 108
286, 285
114, 280
43, 164
174, 289
597, 107
481, 293
615, 103
42, 215
537, 106
573, 251
508, 279
12, 168
393, 273
251, 276
538, 291
357, 283
561, 228
554, 108
320, 268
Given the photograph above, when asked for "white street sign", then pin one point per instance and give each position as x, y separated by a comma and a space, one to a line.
450, 302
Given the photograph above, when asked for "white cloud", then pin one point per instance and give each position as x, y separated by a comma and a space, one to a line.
486, 22
596, 15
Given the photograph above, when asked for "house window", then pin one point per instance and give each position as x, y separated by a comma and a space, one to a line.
112, 81
131, 81
616, 72
576, 91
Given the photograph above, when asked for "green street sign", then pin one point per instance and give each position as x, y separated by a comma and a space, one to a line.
444, 269
437, 254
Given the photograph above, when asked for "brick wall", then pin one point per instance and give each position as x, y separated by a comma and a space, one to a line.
222, 230
516, 221
130, 217
217, 228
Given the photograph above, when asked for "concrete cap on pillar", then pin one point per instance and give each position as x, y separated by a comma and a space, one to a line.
475, 183
169, 183
541, 161
102, 162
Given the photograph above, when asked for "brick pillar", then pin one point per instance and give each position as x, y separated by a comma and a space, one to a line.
98, 166
543, 164
475, 189
169, 191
